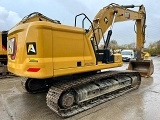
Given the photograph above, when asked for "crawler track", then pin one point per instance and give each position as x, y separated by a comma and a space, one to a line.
57, 90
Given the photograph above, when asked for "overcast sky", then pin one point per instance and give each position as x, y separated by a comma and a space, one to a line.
12, 11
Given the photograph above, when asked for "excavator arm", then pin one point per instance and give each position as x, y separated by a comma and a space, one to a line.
105, 20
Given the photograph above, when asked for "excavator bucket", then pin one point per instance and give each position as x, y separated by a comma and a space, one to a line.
144, 67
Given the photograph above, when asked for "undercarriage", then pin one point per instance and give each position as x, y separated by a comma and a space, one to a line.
72, 95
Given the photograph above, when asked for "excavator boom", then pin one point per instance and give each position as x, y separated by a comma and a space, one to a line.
113, 13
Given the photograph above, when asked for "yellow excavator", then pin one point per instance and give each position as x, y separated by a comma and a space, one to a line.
3, 53
66, 60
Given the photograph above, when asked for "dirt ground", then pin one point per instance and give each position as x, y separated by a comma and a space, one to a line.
141, 104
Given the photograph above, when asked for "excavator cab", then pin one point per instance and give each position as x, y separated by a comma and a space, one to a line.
144, 67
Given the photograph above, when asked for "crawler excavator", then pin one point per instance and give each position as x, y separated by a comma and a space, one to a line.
3, 53
66, 60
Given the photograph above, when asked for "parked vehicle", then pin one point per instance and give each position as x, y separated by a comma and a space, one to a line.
127, 55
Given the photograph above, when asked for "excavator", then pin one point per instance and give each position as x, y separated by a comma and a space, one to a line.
67, 62
3, 53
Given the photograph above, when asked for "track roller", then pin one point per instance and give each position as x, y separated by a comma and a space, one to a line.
67, 99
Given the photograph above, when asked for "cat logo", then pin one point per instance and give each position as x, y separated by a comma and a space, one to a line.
31, 48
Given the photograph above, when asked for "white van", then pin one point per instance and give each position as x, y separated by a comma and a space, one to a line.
127, 55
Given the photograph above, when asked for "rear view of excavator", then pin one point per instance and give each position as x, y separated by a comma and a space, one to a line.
66, 60
3, 53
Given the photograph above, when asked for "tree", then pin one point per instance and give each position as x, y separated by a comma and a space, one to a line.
113, 45
154, 48
128, 46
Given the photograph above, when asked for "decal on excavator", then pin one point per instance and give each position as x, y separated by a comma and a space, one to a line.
31, 48
127, 15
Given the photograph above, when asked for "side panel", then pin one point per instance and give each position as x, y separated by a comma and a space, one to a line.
36, 65
40, 35
72, 51
68, 49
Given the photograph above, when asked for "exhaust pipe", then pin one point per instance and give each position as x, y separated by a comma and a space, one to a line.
144, 67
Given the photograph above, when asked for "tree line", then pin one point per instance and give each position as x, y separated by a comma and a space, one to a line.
153, 48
